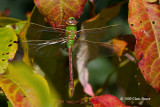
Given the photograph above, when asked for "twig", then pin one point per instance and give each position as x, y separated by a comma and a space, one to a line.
75, 102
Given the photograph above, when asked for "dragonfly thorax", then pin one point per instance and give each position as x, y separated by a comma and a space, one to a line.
70, 34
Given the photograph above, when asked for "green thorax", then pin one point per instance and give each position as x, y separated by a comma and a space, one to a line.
70, 33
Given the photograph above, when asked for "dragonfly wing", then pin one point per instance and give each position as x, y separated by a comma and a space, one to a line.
47, 27
44, 48
94, 49
102, 34
37, 31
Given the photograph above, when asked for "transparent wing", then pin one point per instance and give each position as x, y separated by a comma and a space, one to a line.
47, 28
101, 34
94, 39
94, 49
94, 34
40, 41
43, 32
95, 42
44, 48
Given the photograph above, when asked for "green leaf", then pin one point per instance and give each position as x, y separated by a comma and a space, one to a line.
7, 47
17, 27
24, 88
9, 104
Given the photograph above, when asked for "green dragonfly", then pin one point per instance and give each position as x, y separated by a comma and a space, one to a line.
68, 37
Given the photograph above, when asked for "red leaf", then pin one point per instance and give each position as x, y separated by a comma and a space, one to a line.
107, 101
57, 11
145, 24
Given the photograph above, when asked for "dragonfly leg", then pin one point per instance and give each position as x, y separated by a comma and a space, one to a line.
54, 22
62, 35
41, 47
63, 42
45, 44
63, 17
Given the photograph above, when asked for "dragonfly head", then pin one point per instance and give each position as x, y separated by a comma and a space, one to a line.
71, 21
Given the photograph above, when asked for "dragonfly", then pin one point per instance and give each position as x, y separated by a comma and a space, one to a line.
69, 38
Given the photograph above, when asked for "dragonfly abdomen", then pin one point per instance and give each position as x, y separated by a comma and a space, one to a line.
70, 33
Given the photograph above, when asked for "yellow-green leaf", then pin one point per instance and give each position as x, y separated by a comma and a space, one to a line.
17, 27
7, 47
24, 88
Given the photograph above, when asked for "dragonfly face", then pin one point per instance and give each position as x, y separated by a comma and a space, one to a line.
71, 21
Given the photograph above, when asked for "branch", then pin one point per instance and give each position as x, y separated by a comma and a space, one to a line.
75, 102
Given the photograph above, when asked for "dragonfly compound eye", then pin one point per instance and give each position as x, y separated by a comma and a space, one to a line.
71, 21
71, 18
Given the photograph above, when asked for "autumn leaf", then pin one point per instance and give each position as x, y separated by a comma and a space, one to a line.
121, 44
107, 101
83, 73
57, 11
24, 88
144, 23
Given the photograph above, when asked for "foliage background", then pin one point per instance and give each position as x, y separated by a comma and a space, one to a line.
117, 80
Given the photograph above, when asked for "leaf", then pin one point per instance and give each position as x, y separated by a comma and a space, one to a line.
13, 23
24, 88
7, 47
58, 11
7, 20
9, 104
83, 74
121, 44
17, 27
106, 101
144, 24
103, 17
